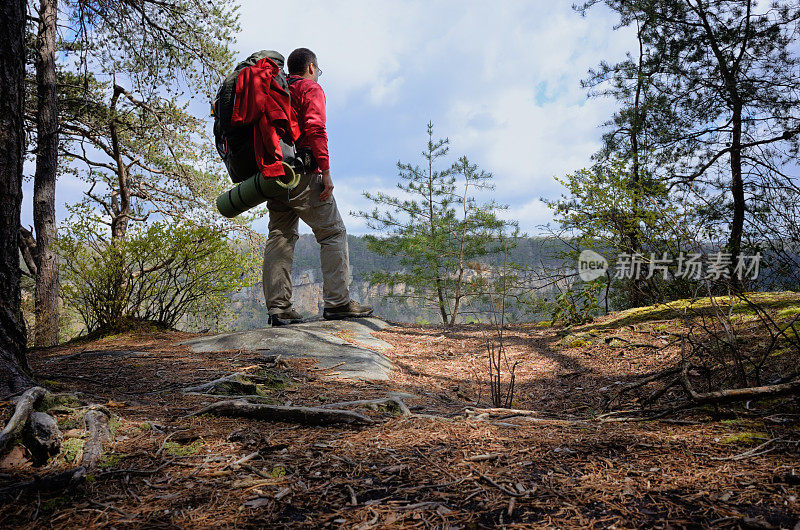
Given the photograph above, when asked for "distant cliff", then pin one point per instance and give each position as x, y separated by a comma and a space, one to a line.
250, 310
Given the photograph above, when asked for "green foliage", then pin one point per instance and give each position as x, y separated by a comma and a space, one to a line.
612, 209
166, 273
439, 231
577, 305
708, 102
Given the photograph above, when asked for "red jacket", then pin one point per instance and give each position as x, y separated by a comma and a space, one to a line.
308, 102
261, 101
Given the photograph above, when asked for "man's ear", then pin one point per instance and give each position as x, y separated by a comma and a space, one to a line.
310, 69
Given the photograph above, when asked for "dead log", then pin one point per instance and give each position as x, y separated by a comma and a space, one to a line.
49, 483
42, 437
737, 394
304, 415
25, 404
96, 421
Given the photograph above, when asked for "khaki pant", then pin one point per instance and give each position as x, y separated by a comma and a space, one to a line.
326, 223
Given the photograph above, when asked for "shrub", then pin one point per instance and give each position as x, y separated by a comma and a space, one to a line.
162, 273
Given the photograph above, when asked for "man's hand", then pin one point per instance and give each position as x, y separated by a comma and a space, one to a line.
327, 186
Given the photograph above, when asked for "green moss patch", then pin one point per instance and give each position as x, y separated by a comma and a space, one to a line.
177, 449
745, 438
57, 401
577, 340
111, 460
784, 300
72, 449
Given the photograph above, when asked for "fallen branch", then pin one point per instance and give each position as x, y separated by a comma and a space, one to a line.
24, 407
755, 451
50, 483
524, 415
304, 415
498, 486
653, 414
737, 394
501, 411
96, 421
629, 344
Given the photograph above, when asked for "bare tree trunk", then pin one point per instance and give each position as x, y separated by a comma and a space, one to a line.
44, 183
737, 187
635, 299
122, 209
14, 371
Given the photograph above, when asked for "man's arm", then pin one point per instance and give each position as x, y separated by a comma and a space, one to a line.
327, 185
317, 135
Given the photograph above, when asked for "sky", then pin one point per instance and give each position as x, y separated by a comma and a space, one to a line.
500, 79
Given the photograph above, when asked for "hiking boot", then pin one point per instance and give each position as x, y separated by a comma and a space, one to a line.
351, 309
287, 317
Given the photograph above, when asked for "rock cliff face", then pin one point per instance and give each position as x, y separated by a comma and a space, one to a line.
251, 311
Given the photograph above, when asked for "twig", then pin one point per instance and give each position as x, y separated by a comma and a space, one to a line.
498, 486
353, 499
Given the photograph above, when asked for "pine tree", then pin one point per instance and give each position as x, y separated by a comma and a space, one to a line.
438, 229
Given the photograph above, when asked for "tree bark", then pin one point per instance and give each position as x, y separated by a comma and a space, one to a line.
44, 183
737, 187
121, 209
96, 421
14, 371
23, 409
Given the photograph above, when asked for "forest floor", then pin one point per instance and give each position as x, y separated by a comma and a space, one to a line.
447, 465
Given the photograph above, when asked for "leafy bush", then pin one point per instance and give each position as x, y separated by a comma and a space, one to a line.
163, 273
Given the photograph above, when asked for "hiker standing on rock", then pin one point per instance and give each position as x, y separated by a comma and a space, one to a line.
312, 201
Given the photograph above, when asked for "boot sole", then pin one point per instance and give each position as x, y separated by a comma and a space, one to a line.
277, 322
342, 316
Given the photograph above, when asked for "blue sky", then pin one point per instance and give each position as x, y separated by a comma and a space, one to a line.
499, 79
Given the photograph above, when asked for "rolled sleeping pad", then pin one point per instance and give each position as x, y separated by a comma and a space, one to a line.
255, 191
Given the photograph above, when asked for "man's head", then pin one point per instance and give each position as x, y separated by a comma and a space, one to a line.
303, 62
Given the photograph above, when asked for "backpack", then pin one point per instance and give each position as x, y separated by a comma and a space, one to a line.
235, 143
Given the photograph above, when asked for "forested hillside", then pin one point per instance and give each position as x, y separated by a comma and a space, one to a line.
250, 312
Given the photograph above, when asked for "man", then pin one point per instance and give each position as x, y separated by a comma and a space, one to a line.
312, 201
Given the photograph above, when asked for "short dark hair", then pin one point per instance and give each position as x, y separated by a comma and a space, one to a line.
300, 59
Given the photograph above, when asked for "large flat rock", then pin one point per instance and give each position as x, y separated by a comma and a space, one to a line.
345, 345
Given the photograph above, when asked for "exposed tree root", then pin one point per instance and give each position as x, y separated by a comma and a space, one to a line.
48, 483
240, 383
393, 398
42, 437
305, 415
25, 404
228, 397
96, 421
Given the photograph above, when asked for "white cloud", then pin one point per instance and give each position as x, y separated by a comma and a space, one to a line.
500, 79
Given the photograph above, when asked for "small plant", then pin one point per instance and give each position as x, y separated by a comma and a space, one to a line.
577, 305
